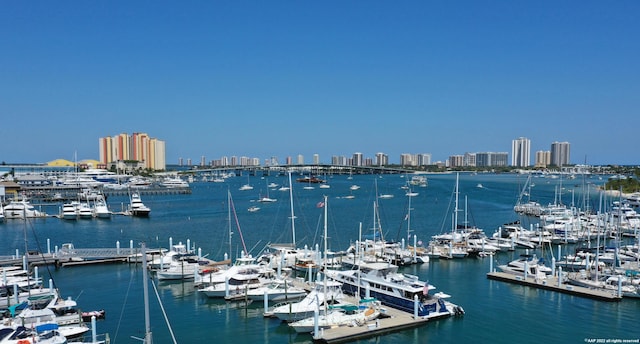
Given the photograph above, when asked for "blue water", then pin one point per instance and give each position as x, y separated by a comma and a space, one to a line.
496, 312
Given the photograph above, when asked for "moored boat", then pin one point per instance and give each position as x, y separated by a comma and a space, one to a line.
383, 282
136, 207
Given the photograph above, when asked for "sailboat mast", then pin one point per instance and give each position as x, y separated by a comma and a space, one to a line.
325, 254
147, 323
409, 219
293, 221
230, 231
455, 209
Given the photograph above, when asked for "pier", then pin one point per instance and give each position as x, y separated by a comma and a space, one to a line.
390, 320
553, 284
71, 256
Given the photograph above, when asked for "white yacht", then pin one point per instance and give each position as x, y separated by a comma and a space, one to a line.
534, 266
85, 211
174, 182
179, 270
277, 289
235, 286
343, 315
101, 209
383, 282
19, 209
324, 293
136, 207
70, 210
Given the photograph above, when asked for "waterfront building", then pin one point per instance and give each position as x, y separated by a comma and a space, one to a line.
423, 159
491, 159
560, 153
456, 161
521, 152
381, 159
543, 158
138, 146
406, 160
316, 159
339, 160
358, 159
470, 159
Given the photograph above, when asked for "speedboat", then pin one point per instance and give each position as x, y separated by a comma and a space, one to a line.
61, 312
277, 289
101, 209
45, 333
534, 266
179, 270
237, 285
244, 265
342, 315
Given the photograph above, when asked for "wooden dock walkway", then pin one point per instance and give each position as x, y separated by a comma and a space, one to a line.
551, 283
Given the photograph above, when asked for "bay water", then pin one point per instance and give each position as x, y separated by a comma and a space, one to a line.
496, 312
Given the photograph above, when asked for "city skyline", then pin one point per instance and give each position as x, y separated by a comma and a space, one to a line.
333, 78
520, 146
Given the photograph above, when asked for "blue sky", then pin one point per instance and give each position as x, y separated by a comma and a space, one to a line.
282, 78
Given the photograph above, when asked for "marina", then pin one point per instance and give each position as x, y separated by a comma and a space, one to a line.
202, 217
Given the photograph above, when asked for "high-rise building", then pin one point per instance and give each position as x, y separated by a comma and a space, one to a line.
456, 161
316, 159
423, 159
543, 158
491, 159
382, 159
521, 152
358, 159
406, 159
339, 160
138, 146
560, 152
470, 159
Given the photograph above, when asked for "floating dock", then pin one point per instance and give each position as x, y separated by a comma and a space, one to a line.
390, 320
79, 257
551, 283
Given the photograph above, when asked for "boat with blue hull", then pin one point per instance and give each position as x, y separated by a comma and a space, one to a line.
401, 291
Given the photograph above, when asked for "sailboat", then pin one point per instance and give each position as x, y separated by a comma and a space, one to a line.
449, 244
247, 186
266, 199
148, 336
337, 315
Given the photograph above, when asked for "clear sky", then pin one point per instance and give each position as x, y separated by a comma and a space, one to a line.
282, 78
